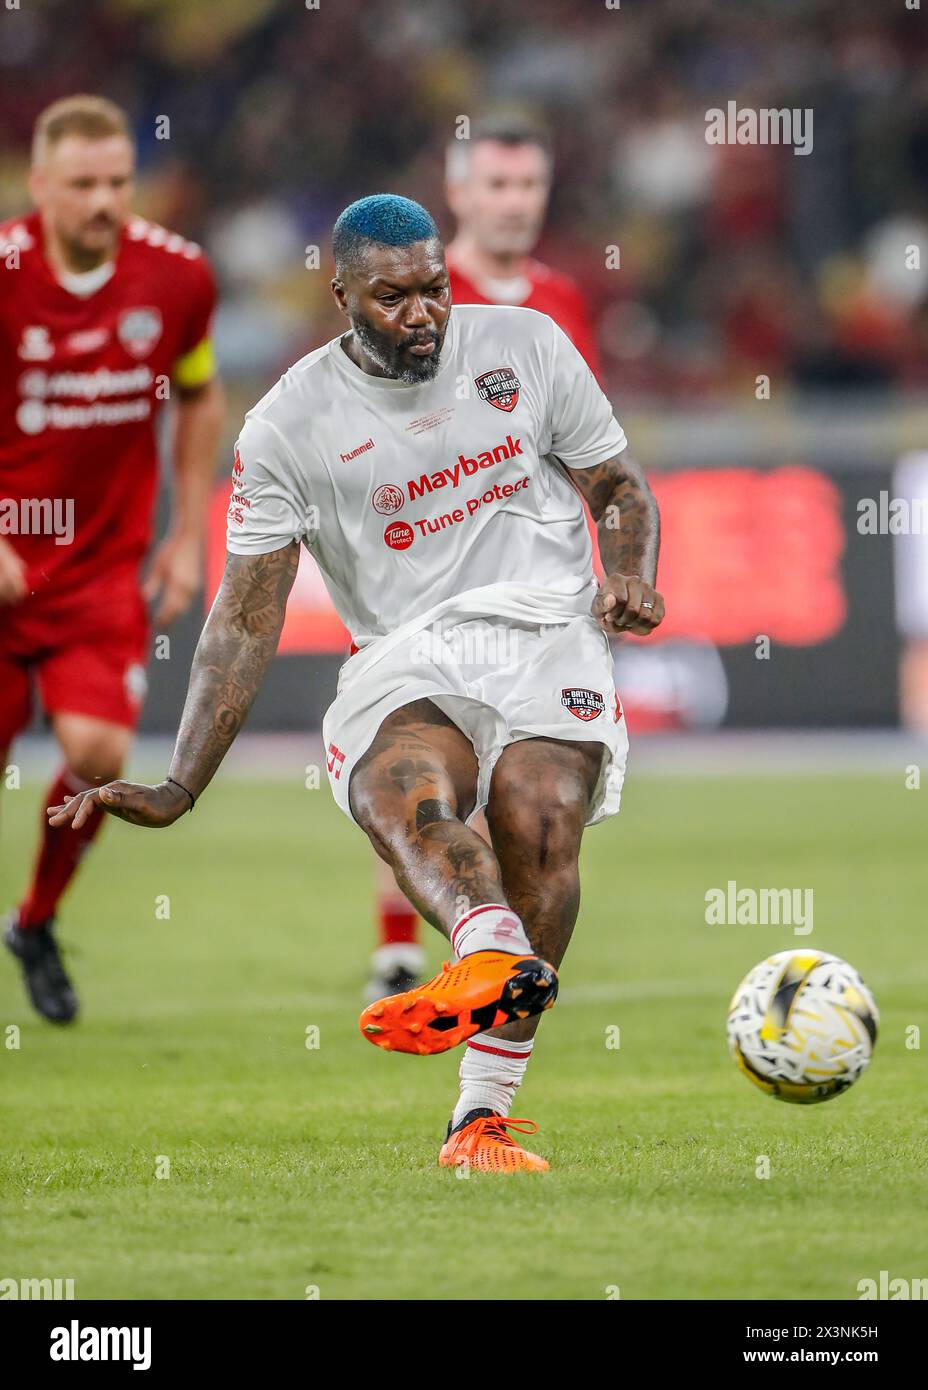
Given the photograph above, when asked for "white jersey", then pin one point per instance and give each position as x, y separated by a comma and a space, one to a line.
444, 498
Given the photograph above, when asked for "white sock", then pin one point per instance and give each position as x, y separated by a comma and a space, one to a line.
491, 927
491, 1072
399, 955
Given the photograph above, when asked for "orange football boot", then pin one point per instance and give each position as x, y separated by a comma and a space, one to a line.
484, 990
481, 1142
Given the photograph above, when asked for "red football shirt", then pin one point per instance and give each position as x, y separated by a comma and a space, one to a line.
550, 293
82, 379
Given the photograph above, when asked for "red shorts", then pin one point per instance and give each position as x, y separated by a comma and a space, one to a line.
86, 652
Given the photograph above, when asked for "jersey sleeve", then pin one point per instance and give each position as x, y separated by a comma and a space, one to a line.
584, 431
196, 362
268, 507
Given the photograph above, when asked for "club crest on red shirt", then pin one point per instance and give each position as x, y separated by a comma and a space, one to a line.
499, 388
138, 330
585, 704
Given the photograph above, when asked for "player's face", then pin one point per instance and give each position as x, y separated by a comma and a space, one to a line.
397, 302
83, 189
502, 201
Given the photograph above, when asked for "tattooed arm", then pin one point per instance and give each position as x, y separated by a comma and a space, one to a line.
629, 533
238, 640
235, 648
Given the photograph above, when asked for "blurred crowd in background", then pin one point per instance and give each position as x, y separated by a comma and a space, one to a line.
733, 260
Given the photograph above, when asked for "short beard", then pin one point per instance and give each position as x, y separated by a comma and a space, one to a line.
81, 258
389, 357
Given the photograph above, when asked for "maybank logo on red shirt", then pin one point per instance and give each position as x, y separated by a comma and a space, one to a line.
464, 468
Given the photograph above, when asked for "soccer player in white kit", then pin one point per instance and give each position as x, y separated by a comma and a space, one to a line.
431, 459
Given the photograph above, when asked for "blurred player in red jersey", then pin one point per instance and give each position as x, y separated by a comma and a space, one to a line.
497, 183
102, 316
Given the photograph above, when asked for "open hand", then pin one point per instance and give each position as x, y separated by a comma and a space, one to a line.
174, 576
139, 805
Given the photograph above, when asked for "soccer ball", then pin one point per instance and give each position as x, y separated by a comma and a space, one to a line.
802, 1026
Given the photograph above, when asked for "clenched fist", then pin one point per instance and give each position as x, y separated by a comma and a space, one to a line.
626, 603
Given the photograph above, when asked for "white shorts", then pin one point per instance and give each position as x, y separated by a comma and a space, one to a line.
498, 681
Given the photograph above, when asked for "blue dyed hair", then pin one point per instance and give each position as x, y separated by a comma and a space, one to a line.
383, 219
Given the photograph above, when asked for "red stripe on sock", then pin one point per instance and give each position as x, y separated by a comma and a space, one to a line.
487, 907
498, 1051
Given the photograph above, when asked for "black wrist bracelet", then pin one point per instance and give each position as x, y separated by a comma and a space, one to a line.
193, 800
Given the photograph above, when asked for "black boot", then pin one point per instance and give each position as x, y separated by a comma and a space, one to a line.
35, 948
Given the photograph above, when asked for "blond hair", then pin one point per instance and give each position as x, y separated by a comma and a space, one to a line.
94, 118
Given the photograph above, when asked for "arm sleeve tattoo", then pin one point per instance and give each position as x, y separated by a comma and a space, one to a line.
238, 640
626, 515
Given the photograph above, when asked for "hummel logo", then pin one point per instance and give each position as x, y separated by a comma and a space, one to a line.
361, 449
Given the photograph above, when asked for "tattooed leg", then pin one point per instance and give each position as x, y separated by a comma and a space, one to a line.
411, 793
540, 797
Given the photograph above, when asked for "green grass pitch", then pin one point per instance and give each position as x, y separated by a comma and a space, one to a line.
293, 1168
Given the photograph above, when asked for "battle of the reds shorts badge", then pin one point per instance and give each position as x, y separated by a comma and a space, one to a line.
585, 704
